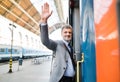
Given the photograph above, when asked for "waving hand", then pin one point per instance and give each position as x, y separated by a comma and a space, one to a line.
46, 13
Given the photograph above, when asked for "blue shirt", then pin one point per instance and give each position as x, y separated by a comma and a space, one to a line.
70, 72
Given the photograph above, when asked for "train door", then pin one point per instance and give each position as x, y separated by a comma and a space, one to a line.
81, 17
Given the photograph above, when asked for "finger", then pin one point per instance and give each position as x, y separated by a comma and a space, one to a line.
50, 13
46, 5
42, 9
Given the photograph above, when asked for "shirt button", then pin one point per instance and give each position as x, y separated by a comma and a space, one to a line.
64, 68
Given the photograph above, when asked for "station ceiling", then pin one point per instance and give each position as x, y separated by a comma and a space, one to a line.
24, 14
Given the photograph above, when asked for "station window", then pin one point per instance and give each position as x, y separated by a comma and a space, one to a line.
27, 41
32, 41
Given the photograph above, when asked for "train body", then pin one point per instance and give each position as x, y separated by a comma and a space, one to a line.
96, 39
18, 42
5, 52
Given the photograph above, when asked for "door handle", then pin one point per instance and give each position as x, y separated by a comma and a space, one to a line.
78, 65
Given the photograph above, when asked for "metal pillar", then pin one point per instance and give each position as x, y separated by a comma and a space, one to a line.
10, 61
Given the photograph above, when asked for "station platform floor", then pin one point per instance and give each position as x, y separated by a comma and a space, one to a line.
29, 71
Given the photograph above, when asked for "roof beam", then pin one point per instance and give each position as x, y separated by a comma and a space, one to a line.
17, 5
18, 17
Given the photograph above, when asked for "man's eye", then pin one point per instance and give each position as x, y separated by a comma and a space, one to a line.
69, 32
65, 32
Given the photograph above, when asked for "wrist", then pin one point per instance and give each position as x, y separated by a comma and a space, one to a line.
43, 20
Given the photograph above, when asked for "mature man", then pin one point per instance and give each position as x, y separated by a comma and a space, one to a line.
63, 65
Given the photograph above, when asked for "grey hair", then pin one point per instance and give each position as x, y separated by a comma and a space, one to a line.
67, 26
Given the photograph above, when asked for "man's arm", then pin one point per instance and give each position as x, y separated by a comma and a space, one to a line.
44, 27
45, 38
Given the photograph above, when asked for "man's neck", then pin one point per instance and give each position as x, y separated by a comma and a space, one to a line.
66, 42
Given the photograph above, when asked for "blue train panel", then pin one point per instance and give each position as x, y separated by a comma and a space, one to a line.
88, 41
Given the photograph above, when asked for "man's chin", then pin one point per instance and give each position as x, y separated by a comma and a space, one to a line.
68, 40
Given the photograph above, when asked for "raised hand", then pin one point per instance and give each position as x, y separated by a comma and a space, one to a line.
46, 13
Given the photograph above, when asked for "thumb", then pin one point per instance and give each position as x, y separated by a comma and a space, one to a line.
50, 13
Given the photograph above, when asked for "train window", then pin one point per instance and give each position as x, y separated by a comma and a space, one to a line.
27, 51
30, 51
16, 51
9, 50
2, 50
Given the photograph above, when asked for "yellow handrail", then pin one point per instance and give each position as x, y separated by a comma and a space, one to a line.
78, 65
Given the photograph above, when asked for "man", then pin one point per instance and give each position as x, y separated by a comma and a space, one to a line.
62, 64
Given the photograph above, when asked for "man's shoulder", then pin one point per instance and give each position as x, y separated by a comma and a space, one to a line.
60, 42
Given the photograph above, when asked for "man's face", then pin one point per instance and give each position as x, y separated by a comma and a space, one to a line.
67, 34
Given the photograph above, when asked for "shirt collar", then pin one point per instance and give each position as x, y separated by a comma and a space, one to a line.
66, 43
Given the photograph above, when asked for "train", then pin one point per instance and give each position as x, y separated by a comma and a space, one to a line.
96, 39
17, 42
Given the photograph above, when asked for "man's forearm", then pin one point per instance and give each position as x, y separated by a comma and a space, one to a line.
44, 33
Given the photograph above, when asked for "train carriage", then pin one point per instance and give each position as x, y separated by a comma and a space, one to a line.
96, 30
5, 52
17, 42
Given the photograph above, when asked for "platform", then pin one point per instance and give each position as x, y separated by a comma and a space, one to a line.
28, 72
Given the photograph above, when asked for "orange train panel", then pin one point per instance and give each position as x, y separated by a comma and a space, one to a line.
107, 43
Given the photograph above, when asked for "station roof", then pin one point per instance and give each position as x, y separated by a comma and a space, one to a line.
24, 13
